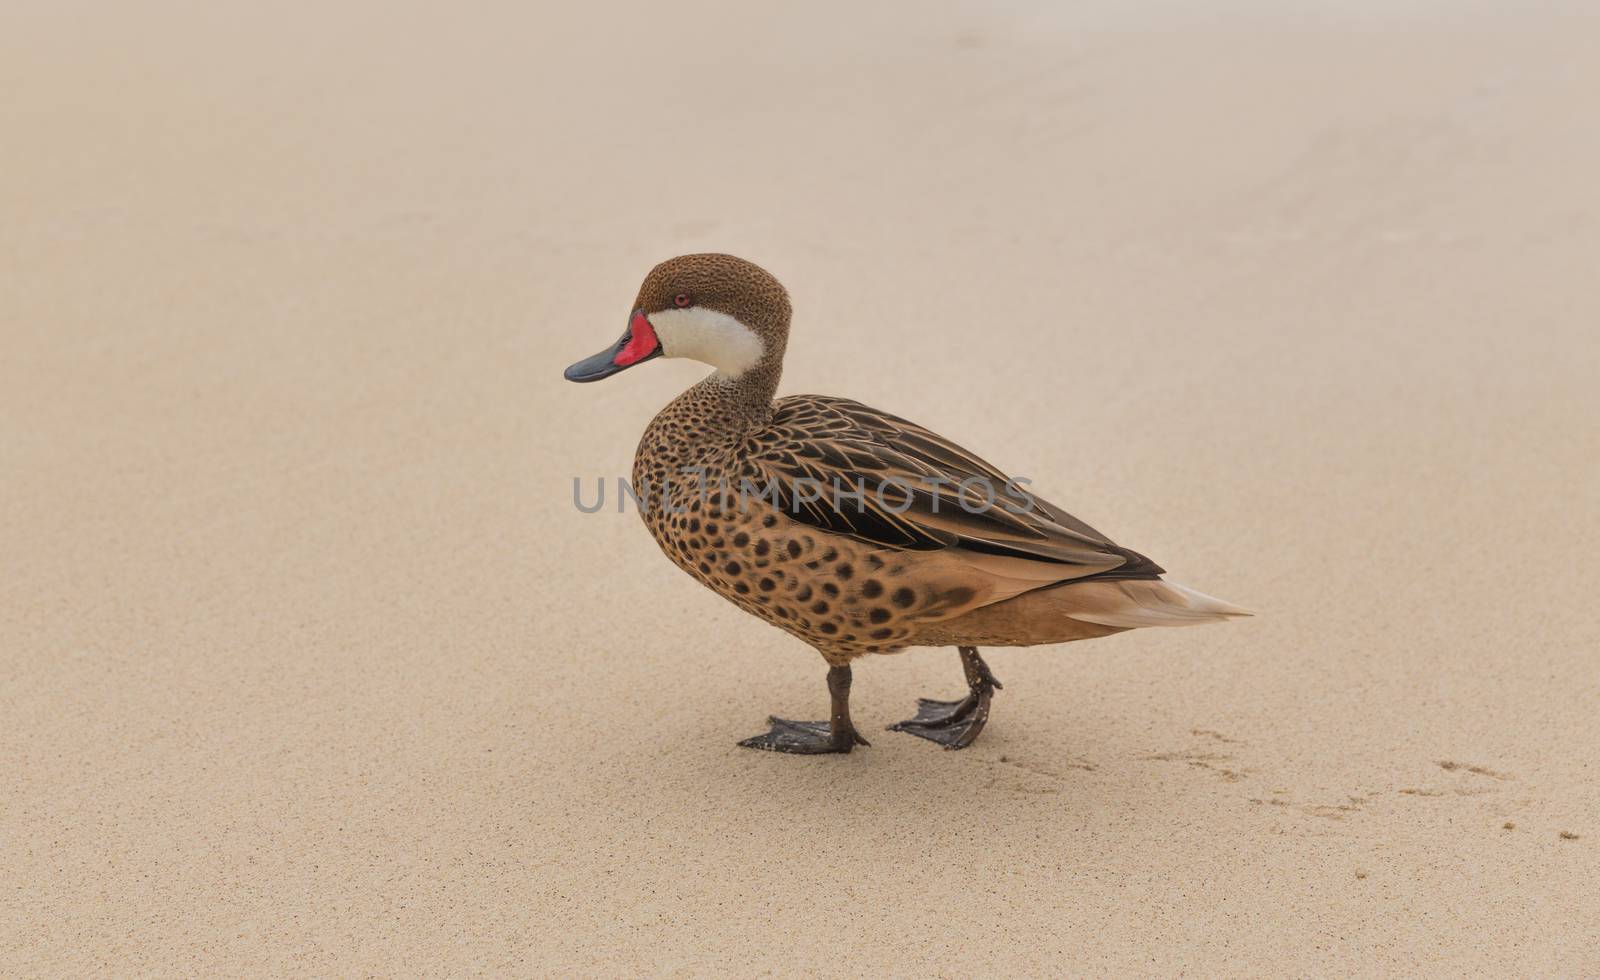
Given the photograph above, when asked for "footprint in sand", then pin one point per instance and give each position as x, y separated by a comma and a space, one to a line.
1449, 766
1327, 811
1218, 761
1215, 736
1467, 788
1021, 776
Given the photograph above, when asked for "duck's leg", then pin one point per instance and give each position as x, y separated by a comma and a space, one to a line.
836, 734
954, 724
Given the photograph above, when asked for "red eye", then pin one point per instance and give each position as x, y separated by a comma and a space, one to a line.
681, 300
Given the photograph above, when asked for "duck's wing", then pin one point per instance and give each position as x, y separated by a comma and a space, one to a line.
843, 467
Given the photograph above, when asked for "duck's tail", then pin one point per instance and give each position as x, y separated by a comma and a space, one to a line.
1133, 603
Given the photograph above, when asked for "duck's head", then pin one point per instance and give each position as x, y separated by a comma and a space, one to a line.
718, 309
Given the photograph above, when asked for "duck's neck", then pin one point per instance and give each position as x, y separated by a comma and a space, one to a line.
736, 406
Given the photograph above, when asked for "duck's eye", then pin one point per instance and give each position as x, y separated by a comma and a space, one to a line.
681, 300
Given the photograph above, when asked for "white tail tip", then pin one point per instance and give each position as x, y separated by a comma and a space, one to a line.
1136, 603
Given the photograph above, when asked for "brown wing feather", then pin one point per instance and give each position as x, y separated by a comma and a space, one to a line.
843, 467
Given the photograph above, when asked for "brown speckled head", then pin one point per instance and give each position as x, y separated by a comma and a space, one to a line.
717, 309
725, 284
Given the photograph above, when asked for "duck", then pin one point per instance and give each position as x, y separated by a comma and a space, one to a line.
854, 530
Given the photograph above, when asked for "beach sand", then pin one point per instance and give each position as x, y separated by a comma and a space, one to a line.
309, 665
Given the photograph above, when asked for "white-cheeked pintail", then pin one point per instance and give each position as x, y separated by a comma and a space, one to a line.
855, 530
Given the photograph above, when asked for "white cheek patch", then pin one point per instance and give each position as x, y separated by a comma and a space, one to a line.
709, 336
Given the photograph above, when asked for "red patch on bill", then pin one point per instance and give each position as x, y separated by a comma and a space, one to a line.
641, 343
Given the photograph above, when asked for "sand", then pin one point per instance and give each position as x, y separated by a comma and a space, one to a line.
309, 665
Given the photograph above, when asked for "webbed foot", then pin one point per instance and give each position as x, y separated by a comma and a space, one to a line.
815, 737
955, 724
804, 738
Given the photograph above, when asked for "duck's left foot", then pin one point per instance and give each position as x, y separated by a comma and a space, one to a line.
837, 734
804, 738
955, 724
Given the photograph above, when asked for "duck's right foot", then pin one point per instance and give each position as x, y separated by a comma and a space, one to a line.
804, 738
955, 724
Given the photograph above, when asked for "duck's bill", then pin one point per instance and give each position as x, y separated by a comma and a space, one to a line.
638, 344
